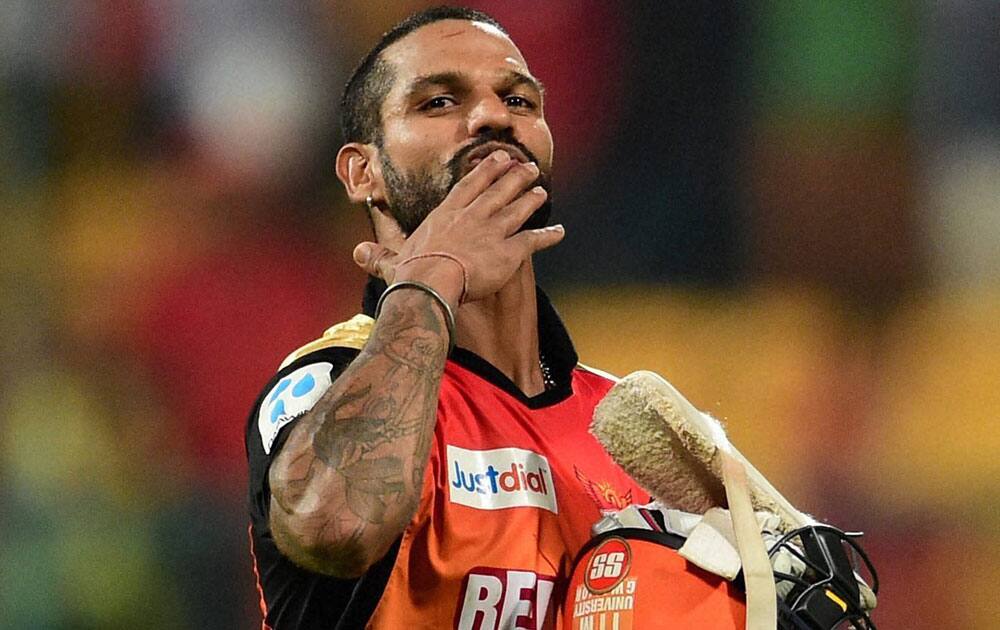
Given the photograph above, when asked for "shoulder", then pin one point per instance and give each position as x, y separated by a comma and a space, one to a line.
592, 373
592, 383
350, 334
302, 378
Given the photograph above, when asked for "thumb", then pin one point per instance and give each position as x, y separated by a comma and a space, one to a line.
376, 260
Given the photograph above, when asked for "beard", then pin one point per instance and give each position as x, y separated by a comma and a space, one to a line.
413, 196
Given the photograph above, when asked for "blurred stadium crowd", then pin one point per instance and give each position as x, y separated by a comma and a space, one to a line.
791, 210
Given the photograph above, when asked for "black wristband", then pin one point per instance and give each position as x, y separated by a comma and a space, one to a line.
449, 316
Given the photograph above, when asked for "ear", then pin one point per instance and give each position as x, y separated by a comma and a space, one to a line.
359, 170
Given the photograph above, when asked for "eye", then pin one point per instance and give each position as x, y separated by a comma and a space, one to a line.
516, 100
438, 102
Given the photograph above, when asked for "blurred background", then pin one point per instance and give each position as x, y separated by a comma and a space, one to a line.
789, 209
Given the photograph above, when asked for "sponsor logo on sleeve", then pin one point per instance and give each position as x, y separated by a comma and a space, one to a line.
500, 478
493, 599
291, 397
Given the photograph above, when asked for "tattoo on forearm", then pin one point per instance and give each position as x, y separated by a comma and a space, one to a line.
374, 428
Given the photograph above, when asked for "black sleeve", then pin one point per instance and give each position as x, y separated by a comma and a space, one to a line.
293, 597
274, 414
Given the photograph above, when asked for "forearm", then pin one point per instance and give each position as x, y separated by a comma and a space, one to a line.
349, 477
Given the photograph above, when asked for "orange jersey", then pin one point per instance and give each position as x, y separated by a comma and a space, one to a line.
509, 498
511, 491
634, 579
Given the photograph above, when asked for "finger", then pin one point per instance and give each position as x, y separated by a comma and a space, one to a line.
480, 177
376, 260
518, 211
532, 241
507, 188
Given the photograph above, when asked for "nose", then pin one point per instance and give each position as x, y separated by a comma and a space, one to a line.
489, 112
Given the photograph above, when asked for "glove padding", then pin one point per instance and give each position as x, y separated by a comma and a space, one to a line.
711, 542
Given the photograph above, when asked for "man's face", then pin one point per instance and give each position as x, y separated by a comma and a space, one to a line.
461, 90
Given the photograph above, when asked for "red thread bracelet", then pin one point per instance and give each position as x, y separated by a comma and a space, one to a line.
452, 257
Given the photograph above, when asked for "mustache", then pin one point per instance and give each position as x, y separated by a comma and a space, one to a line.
541, 216
505, 136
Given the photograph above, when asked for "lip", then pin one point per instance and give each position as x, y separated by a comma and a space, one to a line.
480, 153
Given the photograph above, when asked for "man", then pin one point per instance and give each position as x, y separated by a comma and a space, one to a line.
395, 482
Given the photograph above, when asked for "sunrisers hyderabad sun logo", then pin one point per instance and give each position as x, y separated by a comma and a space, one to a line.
603, 493
609, 564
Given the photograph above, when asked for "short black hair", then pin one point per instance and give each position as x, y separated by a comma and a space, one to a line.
361, 105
